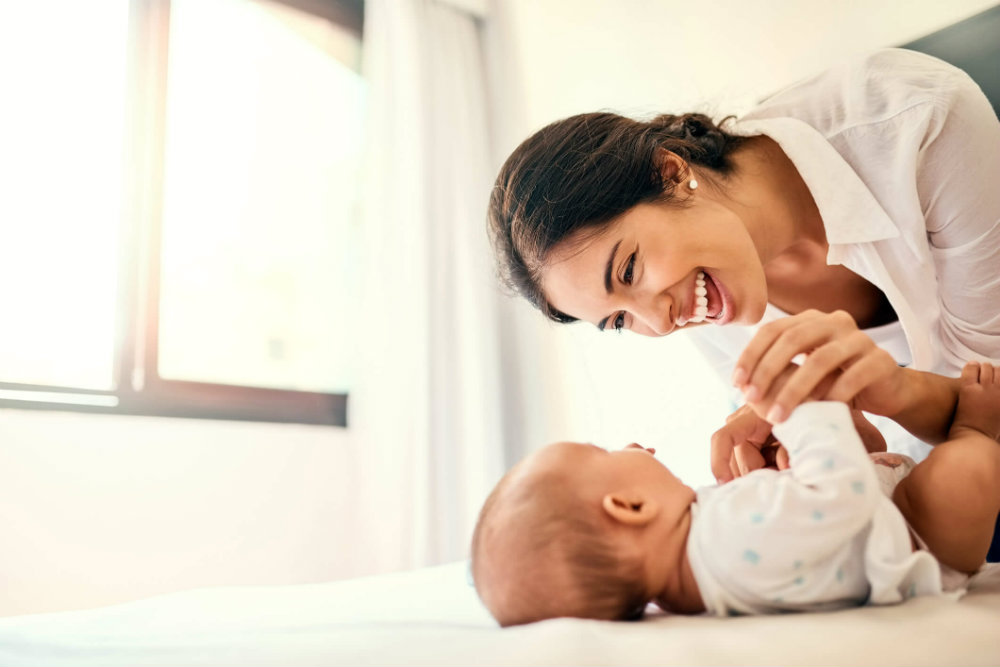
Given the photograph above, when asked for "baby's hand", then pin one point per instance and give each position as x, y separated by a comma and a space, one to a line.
745, 444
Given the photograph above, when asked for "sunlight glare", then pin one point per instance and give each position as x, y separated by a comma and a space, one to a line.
61, 129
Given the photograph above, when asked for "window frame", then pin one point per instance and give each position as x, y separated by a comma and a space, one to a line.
139, 389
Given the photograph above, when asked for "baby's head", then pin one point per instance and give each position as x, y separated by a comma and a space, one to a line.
571, 530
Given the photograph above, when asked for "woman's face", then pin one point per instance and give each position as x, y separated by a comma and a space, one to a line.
641, 273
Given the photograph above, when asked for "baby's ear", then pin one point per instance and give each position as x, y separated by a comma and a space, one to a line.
630, 508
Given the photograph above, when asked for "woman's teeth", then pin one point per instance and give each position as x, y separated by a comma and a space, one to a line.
700, 299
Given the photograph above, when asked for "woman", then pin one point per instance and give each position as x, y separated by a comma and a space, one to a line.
855, 217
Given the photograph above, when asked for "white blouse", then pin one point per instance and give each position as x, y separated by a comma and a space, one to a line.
901, 152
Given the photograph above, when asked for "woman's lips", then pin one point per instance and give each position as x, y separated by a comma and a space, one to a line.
720, 301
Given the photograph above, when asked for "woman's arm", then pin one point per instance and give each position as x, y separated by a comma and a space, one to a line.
957, 174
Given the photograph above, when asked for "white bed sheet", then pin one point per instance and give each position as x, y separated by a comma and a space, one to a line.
432, 617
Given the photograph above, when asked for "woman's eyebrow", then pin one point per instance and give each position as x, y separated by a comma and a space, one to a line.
607, 270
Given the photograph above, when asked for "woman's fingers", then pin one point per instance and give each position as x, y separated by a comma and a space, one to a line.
874, 382
839, 359
806, 333
775, 345
821, 370
738, 413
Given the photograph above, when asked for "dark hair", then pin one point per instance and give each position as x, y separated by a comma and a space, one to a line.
562, 533
582, 172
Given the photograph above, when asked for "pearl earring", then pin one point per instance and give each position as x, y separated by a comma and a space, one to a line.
693, 184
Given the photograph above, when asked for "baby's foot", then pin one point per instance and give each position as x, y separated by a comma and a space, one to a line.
979, 400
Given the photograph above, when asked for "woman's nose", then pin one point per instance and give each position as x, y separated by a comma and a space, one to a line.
656, 313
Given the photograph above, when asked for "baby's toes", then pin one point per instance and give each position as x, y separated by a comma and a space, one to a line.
970, 373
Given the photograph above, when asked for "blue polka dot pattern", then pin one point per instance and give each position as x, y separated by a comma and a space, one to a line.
751, 556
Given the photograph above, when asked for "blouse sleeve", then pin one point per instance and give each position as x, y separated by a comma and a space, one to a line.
958, 183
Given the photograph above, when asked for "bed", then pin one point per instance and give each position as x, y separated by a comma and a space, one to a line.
432, 616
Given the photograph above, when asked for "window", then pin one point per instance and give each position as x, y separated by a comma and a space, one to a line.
180, 233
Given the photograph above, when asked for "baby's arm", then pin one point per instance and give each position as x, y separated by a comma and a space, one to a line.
926, 406
952, 497
772, 535
831, 488
829, 462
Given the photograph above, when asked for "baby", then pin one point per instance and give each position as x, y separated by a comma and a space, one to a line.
575, 530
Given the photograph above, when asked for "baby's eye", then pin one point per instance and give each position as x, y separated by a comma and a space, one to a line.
619, 322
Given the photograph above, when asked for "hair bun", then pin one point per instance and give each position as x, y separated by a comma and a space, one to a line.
694, 136
694, 127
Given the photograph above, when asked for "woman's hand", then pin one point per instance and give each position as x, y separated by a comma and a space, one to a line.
836, 352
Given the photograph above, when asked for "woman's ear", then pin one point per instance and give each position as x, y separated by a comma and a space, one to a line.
630, 508
672, 167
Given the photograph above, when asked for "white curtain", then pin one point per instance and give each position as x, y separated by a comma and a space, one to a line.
425, 416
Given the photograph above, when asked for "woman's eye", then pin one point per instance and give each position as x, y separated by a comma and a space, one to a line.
629, 268
619, 322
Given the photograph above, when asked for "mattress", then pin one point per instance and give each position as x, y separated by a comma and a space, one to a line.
432, 616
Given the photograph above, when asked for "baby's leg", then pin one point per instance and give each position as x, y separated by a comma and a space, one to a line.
953, 496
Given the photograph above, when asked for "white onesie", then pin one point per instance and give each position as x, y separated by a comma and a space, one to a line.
820, 535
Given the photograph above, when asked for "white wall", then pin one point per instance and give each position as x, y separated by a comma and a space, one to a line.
98, 509
641, 56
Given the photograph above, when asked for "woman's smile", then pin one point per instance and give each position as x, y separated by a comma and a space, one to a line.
720, 302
